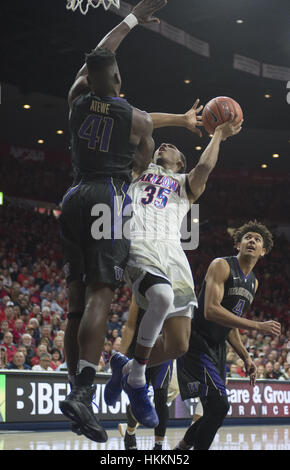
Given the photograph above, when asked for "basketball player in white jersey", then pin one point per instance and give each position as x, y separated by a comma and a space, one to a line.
158, 269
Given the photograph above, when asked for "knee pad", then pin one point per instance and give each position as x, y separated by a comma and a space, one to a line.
162, 297
160, 302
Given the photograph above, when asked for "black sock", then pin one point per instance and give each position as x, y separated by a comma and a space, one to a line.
86, 377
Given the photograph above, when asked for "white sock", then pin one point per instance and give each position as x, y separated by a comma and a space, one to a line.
136, 376
159, 443
127, 367
135, 380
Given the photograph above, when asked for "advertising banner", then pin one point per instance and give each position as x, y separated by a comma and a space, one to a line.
26, 154
269, 399
29, 397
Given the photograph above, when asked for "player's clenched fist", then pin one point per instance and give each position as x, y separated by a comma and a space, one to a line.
271, 327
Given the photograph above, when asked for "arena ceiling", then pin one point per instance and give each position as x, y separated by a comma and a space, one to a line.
42, 46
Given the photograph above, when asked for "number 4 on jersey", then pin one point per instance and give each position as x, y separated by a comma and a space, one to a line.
238, 309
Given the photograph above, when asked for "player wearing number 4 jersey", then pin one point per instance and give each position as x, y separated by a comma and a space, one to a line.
227, 291
158, 268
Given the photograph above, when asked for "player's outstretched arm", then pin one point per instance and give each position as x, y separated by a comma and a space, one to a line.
141, 136
130, 328
217, 274
198, 177
235, 341
191, 120
141, 14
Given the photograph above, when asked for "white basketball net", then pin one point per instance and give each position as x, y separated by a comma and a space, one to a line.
84, 5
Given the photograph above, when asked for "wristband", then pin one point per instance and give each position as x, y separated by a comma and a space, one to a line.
131, 21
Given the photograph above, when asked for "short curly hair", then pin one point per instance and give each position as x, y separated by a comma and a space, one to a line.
256, 227
100, 59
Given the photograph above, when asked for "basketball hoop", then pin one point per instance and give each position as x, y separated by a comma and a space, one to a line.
84, 5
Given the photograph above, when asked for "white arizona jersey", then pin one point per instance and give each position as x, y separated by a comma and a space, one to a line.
159, 203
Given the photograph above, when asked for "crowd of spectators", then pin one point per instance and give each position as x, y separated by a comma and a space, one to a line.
32, 179
271, 356
48, 181
226, 199
33, 297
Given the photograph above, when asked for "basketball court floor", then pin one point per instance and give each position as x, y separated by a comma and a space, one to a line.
270, 437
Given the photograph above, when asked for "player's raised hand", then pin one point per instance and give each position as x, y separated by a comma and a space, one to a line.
230, 128
193, 119
270, 327
145, 9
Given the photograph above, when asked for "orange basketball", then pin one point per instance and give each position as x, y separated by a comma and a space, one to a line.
218, 110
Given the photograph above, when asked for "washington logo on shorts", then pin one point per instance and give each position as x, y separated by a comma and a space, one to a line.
118, 273
193, 387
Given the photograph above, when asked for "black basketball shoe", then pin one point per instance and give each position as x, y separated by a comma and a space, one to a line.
78, 408
157, 447
130, 441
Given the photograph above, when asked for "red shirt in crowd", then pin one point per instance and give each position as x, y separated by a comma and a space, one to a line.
3, 292
2, 315
54, 365
241, 372
22, 277
11, 350
17, 334
10, 323
35, 361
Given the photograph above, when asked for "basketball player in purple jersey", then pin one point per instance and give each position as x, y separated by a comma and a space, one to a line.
228, 290
109, 139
